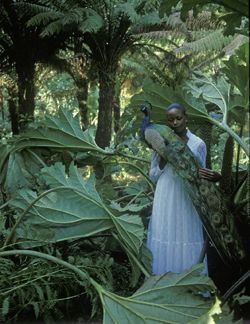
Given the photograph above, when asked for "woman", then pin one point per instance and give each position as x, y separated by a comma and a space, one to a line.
175, 235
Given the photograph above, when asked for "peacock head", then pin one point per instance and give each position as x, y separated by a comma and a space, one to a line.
146, 107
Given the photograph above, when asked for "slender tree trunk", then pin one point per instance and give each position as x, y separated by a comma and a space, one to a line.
13, 116
117, 113
26, 93
238, 158
206, 134
82, 96
226, 171
106, 99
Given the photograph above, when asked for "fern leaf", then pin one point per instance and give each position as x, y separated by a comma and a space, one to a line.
215, 40
5, 306
36, 309
39, 291
43, 18
127, 9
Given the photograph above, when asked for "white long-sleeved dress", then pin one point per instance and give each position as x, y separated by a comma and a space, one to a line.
175, 234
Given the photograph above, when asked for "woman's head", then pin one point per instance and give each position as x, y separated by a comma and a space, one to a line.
176, 118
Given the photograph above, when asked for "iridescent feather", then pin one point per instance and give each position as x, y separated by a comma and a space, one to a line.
217, 219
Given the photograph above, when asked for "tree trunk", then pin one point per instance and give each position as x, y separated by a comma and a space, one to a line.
206, 134
13, 116
26, 93
82, 96
226, 171
106, 99
117, 113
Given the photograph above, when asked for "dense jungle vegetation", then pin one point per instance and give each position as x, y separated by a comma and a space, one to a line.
75, 194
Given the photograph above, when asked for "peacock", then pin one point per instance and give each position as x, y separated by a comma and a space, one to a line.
217, 220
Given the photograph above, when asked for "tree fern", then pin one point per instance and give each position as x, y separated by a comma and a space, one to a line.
43, 18
239, 7
207, 41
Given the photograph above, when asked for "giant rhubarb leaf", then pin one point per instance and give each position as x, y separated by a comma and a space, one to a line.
73, 209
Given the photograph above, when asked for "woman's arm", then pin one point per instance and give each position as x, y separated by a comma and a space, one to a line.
156, 167
205, 173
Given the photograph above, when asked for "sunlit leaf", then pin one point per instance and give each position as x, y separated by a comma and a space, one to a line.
74, 210
59, 132
170, 298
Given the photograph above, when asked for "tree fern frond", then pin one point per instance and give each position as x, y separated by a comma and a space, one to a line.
202, 21
92, 22
31, 9
56, 21
44, 18
167, 35
127, 9
174, 22
149, 19
235, 43
53, 28
4, 18
150, 5
132, 65
215, 40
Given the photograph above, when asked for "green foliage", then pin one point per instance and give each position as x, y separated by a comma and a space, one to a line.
237, 71
218, 91
162, 298
47, 290
210, 40
85, 215
75, 210
147, 304
241, 8
57, 216
234, 14
58, 17
162, 96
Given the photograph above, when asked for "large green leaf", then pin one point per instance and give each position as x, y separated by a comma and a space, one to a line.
26, 165
61, 215
161, 97
58, 133
218, 92
74, 209
237, 71
61, 132
170, 298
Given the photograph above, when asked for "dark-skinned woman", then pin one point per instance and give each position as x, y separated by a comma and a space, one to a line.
175, 234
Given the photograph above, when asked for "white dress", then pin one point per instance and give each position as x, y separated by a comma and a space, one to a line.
175, 234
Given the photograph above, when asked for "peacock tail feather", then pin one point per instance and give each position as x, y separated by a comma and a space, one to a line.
217, 219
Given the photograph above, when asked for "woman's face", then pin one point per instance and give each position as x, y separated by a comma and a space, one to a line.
176, 120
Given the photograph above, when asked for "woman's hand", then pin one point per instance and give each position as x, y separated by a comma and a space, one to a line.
209, 175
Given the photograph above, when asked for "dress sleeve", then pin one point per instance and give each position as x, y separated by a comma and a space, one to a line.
155, 171
201, 154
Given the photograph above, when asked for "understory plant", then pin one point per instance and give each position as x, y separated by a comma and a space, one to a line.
65, 241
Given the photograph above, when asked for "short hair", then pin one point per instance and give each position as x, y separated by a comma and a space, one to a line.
176, 105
